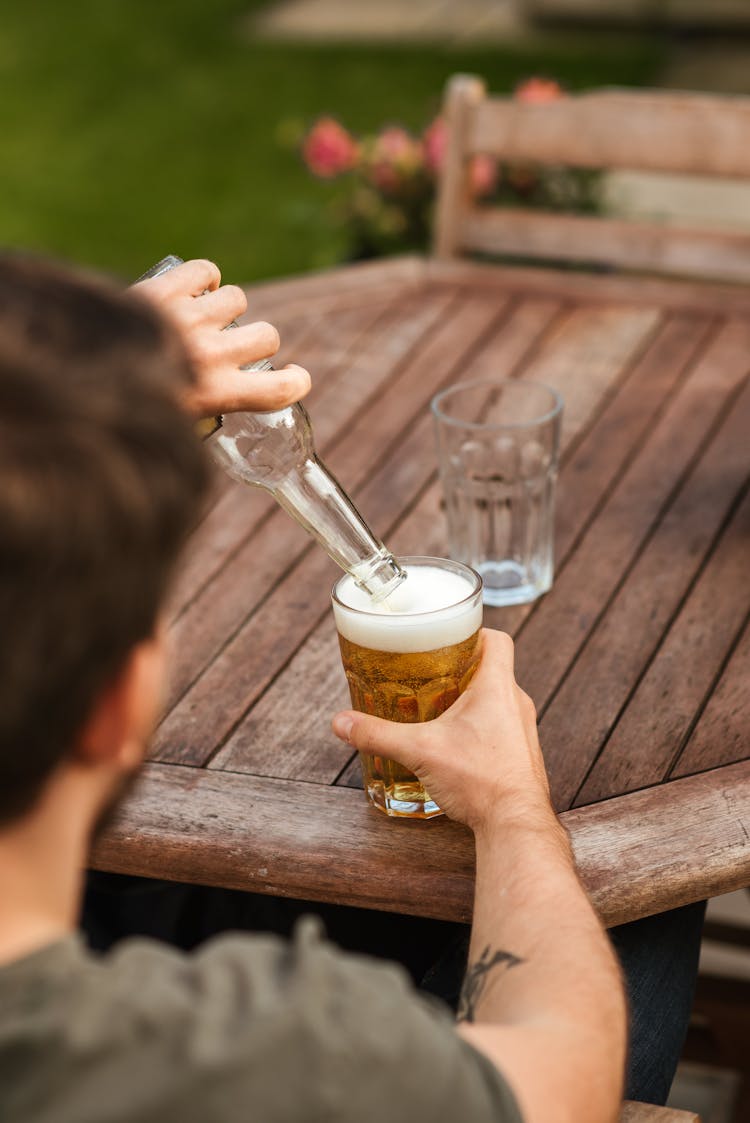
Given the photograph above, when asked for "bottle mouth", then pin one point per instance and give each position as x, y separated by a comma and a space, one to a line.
379, 577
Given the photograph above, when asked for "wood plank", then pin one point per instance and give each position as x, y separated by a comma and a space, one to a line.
271, 740
393, 451
649, 1113
599, 459
722, 733
351, 775
637, 855
586, 353
650, 734
593, 287
338, 288
609, 550
649, 130
369, 358
597, 240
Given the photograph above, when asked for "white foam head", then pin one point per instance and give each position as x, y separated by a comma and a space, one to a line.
438, 604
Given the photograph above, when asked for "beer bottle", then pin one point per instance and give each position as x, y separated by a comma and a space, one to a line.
276, 451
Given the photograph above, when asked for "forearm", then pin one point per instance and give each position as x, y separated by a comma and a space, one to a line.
541, 966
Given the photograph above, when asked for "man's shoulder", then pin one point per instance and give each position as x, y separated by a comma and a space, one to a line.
296, 1028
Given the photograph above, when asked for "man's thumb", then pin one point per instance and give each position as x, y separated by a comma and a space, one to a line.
369, 734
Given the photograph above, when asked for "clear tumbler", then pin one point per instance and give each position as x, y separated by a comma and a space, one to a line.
498, 445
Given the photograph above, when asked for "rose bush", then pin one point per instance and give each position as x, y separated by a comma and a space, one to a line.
387, 181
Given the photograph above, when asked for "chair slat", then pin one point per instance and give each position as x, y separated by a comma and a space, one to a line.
605, 241
645, 130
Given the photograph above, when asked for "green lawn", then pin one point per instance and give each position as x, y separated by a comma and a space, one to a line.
131, 128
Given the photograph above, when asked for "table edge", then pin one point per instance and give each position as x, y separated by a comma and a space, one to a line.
637, 854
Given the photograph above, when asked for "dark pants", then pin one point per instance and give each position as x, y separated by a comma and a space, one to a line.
659, 955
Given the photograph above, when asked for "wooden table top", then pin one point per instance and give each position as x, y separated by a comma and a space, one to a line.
638, 660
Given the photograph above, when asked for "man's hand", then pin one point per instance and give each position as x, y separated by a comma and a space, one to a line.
481, 757
193, 298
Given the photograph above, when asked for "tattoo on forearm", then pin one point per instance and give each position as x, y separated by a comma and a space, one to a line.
476, 978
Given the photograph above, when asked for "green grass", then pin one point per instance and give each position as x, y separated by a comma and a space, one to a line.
132, 128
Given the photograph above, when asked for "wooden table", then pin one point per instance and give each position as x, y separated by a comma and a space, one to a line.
638, 660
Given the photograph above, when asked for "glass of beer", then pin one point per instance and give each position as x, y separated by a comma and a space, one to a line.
408, 659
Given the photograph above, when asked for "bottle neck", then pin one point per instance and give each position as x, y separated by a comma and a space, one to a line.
314, 497
379, 576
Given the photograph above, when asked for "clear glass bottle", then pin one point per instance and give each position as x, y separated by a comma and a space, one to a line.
276, 451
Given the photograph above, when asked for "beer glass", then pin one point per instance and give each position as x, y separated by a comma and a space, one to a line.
408, 659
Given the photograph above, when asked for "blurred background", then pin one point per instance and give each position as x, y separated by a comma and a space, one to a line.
282, 137
129, 128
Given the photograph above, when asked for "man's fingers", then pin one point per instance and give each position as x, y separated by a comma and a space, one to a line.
259, 391
250, 342
495, 663
189, 279
219, 307
399, 741
216, 349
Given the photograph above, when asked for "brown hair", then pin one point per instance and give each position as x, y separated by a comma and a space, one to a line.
100, 478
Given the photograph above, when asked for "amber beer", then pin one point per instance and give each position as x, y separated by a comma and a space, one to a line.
408, 659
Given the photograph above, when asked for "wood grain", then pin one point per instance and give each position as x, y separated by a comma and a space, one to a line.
637, 855
722, 734
596, 240
331, 290
584, 356
649, 130
632, 628
651, 733
551, 641
592, 287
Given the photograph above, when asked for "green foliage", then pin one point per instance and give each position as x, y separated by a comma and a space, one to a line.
132, 128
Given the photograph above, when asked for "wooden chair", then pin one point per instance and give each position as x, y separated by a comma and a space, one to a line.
646, 130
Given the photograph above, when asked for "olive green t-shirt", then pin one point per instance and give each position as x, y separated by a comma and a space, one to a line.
249, 1028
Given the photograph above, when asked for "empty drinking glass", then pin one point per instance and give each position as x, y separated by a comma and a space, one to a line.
498, 448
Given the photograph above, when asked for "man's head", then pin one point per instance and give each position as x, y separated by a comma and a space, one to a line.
100, 481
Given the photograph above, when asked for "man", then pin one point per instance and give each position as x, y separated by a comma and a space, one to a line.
100, 481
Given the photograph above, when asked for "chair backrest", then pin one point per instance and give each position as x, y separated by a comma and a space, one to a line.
647, 1113
645, 130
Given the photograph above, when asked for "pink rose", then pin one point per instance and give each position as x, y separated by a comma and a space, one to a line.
329, 149
537, 91
395, 146
435, 140
394, 156
483, 175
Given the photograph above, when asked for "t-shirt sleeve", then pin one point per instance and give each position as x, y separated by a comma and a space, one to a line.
313, 1033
